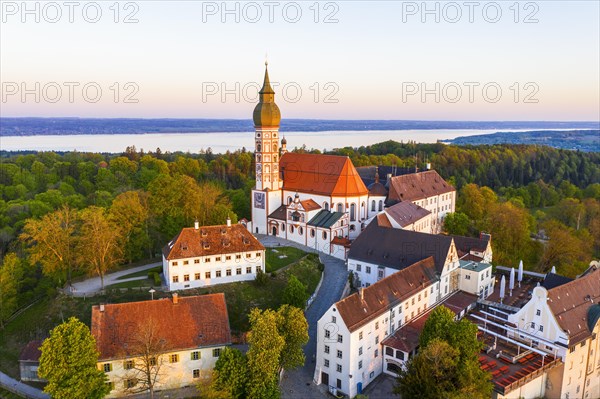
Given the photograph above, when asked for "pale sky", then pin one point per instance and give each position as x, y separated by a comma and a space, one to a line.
371, 60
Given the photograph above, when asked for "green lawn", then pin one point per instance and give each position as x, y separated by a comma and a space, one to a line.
281, 256
157, 269
4, 394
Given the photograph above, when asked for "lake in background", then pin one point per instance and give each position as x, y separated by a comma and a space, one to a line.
221, 142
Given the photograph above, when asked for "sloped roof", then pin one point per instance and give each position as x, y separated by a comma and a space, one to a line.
405, 213
330, 175
279, 213
465, 245
407, 337
383, 221
386, 293
398, 248
325, 219
377, 189
310, 205
211, 240
417, 186
554, 280
31, 352
192, 322
571, 302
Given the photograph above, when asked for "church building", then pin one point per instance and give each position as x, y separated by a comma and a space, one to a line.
313, 199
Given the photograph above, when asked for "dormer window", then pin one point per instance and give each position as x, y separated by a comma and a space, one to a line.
206, 245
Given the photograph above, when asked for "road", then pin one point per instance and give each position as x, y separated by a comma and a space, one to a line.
92, 285
22, 389
299, 383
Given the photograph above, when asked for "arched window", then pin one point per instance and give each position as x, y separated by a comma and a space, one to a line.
362, 210
282, 226
326, 205
353, 212
291, 228
300, 230
340, 208
324, 235
380, 205
373, 206
312, 233
290, 200
352, 227
258, 147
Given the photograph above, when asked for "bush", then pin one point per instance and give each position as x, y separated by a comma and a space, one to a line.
157, 279
273, 274
261, 278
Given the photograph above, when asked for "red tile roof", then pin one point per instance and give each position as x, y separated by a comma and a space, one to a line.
31, 352
330, 175
310, 205
211, 240
386, 293
571, 302
383, 221
417, 186
192, 322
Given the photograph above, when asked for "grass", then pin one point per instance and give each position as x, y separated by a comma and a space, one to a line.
157, 269
274, 262
4, 394
37, 321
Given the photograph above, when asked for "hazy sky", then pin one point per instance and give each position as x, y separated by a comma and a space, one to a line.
502, 60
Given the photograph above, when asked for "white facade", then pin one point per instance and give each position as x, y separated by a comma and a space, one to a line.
177, 369
205, 271
439, 206
477, 278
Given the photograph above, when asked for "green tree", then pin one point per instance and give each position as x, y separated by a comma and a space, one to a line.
130, 213
52, 242
263, 355
295, 293
509, 226
231, 373
11, 272
293, 327
99, 248
69, 362
456, 223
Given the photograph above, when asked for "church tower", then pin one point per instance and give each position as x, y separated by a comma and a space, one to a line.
267, 194
266, 124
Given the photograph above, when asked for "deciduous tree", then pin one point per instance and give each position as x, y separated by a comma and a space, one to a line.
293, 327
231, 373
11, 272
69, 362
295, 293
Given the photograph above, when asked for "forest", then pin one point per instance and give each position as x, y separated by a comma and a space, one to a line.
66, 215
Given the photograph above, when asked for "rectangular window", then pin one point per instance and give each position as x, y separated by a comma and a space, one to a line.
248, 255
326, 348
339, 383
238, 271
400, 355
467, 276
197, 276
228, 272
258, 254
389, 351
174, 358
195, 355
338, 368
376, 340
358, 268
152, 361
249, 270
368, 269
207, 260
326, 363
377, 325
339, 354
360, 364
186, 262
174, 263
130, 383
128, 364
228, 257
218, 273
196, 373
360, 335
258, 269
216, 352
238, 256
217, 259
376, 353
340, 338
333, 319
327, 334
110, 385
175, 279
186, 277
360, 351
541, 327
196, 261
206, 275
107, 367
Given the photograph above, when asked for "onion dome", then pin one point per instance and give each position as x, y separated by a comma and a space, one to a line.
283, 140
377, 189
266, 112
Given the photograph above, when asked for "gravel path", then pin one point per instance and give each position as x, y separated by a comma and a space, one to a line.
92, 285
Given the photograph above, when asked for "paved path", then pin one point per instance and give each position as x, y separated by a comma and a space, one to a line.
92, 285
22, 389
299, 383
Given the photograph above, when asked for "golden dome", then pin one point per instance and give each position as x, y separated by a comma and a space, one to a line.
266, 112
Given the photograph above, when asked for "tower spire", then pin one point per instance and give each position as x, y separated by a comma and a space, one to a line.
266, 89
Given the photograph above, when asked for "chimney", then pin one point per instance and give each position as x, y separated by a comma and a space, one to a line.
428, 166
175, 298
196, 225
102, 307
361, 292
228, 221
